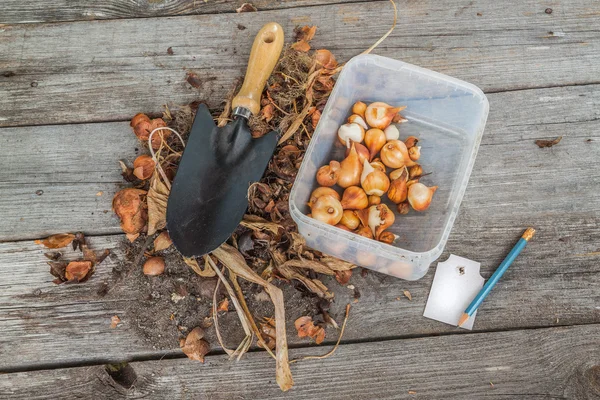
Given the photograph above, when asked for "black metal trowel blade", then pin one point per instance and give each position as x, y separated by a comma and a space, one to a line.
208, 197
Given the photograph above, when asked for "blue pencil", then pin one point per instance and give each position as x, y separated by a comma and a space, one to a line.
489, 285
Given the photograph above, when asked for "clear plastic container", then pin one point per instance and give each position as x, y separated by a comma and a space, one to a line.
446, 114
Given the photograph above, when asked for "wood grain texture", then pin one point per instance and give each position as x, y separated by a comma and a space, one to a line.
558, 363
109, 70
35, 11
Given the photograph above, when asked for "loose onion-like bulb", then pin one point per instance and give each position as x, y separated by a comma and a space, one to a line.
322, 191
365, 231
415, 171
359, 108
343, 227
143, 167
379, 218
374, 140
395, 154
398, 191
351, 168
373, 181
350, 220
357, 119
374, 200
403, 208
326, 59
328, 175
400, 173
154, 266
411, 141
392, 132
379, 115
414, 153
387, 237
361, 150
327, 209
351, 132
378, 165
354, 198
419, 196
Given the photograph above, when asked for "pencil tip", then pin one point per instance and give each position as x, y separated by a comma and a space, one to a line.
463, 319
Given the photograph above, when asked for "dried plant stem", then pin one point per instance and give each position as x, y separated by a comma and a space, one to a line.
216, 321
242, 300
155, 157
377, 43
330, 353
247, 341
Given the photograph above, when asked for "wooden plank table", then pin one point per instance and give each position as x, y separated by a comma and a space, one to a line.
72, 74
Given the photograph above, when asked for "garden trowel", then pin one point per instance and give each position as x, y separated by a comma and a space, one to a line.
209, 194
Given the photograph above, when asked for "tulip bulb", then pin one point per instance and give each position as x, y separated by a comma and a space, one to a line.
395, 154
328, 175
343, 227
414, 153
363, 152
350, 220
380, 217
403, 208
379, 115
415, 171
411, 141
400, 173
357, 119
374, 200
354, 198
374, 140
378, 165
387, 237
391, 133
398, 119
419, 196
351, 132
322, 191
365, 231
359, 108
398, 191
327, 209
373, 181
350, 170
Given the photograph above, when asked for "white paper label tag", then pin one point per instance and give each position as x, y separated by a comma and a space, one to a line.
455, 285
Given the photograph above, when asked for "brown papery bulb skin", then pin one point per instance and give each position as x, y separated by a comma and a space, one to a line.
350, 220
327, 209
322, 191
398, 191
354, 198
361, 150
343, 227
374, 140
378, 165
414, 153
350, 170
419, 196
359, 108
328, 175
143, 167
380, 115
364, 231
415, 171
387, 237
374, 200
403, 208
400, 173
154, 266
395, 154
326, 59
357, 119
411, 141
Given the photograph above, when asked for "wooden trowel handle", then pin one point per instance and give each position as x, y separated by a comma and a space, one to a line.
263, 57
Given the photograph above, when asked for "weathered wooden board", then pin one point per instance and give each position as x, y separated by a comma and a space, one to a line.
60, 11
513, 181
109, 70
551, 363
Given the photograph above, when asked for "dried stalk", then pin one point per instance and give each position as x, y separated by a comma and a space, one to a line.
234, 261
216, 321
330, 353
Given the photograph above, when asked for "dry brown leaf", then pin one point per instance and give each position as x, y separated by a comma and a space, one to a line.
129, 206
158, 195
307, 328
548, 143
306, 33
246, 7
132, 236
114, 321
235, 262
78, 271
223, 305
258, 224
162, 241
408, 295
57, 241
194, 346
309, 264
302, 46
207, 272
343, 277
314, 285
